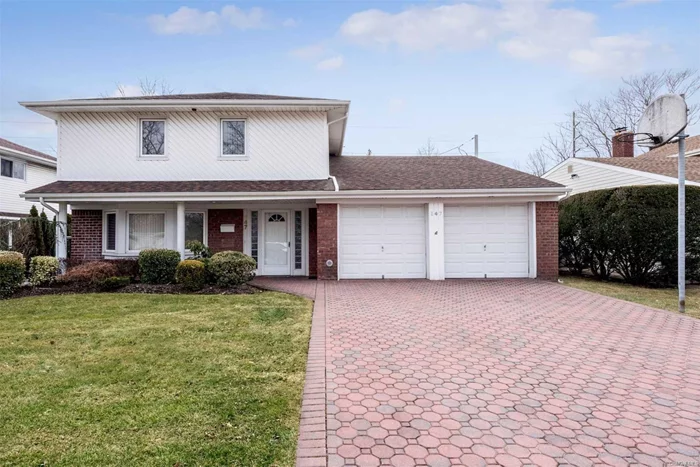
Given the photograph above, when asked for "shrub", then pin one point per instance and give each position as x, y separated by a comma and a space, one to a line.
89, 273
43, 270
631, 231
11, 272
191, 274
157, 266
127, 268
198, 249
230, 268
112, 283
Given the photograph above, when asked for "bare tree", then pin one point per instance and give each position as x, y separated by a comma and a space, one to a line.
147, 87
429, 149
596, 121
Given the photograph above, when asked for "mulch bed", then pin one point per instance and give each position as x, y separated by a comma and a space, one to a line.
65, 289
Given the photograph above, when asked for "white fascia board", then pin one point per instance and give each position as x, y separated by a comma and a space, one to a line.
639, 173
26, 157
561, 164
332, 196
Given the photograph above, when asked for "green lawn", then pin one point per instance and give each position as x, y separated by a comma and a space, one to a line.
665, 299
162, 380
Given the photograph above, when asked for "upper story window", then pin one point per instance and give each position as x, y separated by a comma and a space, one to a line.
152, 137
13, 169
233, 145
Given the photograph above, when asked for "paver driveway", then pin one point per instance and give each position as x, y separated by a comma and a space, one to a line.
505, 372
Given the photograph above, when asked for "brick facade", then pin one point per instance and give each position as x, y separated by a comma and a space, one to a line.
312, 243
222, 241
327, 240
547, 226
86, 236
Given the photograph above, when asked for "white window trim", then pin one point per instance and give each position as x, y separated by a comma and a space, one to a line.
233, 157
205, 229
165, 229
16, 161
153, 157
104, 231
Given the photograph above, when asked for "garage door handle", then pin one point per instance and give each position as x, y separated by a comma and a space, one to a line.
382, 247
484, 247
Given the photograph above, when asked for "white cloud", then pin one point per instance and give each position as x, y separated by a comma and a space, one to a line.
290, 23
396, 105
522, 29
309, 52
625, 3
332, 63
454, 26
193, 21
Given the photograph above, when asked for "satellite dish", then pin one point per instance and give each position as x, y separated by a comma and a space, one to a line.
662, 120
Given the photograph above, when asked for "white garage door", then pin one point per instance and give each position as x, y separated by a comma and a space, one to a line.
486, 241
382, 242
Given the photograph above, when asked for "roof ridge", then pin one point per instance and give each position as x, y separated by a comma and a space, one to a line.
6, 143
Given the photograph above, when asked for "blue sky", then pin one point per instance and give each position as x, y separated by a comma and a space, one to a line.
507, 70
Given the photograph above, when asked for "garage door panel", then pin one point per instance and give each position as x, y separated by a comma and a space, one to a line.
393, 239
503, 229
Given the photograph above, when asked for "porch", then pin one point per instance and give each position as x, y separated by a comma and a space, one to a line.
279, 235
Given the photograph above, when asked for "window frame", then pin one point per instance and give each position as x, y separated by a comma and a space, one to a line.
233, 157
14, 162
205, 229
104, 231
128, 222
151, 157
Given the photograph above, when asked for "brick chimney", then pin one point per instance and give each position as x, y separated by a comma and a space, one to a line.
623, 143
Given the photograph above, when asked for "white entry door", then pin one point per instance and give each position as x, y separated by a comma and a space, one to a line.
276, 244
486, 241
382, 242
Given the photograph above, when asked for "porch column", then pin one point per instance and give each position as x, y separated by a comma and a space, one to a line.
62, 236
180, 228
436, 241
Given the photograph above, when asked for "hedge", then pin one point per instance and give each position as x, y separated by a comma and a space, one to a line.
157, 266
43, 270
630, 231
191, 274
231, 268
11, 272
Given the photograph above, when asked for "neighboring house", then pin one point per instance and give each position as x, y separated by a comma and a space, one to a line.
265, 175
656, 167
21, 169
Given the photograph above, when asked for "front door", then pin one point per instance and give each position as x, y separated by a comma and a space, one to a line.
276, 244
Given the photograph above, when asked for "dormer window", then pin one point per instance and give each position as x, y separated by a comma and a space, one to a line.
233, 145
152, 137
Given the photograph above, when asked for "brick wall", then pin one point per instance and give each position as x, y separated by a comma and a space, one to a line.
312, 243
222, 241
547, 220
327, 240
86, 236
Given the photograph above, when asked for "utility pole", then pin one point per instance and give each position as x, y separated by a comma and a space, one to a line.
573, 129
476, 145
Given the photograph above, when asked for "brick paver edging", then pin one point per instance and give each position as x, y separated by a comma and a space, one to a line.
311, 448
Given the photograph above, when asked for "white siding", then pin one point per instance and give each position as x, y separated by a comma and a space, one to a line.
10, 188
596, 176
280, 145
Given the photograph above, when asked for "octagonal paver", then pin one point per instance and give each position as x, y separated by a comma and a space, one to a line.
510, 372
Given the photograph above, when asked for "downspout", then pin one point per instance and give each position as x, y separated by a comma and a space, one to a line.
50, 208
335, 183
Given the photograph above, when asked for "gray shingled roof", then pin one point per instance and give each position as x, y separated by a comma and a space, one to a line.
352, 172
18, 147
206, 96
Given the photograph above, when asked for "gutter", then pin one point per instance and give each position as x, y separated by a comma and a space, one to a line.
335, 183
28, 157
50, 208
275, 196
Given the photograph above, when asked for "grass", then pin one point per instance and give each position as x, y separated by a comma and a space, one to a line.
665, 299
162, 380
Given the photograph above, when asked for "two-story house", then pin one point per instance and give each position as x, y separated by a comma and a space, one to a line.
265, 175
21, 169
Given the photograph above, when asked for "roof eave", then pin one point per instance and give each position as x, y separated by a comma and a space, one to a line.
28, 157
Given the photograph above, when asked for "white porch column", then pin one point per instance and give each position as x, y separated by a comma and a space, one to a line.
436, 241
180, 229
62, 235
